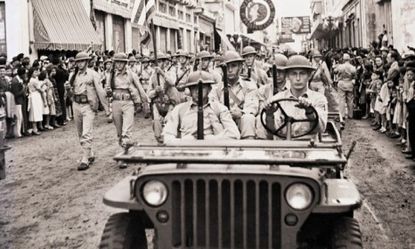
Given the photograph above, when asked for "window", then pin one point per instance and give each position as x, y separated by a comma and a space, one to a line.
163, 7
188, 18
172, 11
180, 14
195, 19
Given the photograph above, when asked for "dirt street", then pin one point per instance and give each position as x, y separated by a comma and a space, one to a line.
46, 203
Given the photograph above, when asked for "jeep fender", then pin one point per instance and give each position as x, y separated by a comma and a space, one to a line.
121, 195
338, 196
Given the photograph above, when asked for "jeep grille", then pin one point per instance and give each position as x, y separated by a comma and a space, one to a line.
211, 213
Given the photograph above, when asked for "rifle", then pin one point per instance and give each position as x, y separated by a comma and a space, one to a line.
181, 77
225, 86
274, 79
200, 128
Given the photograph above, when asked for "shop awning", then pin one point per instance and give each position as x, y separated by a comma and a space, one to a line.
225, 41
317, 31
63, 25
249, 40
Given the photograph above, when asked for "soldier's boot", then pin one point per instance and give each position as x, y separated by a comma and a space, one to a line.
84, 165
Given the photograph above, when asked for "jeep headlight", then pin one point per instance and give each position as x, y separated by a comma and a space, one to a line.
155, 193
299, 196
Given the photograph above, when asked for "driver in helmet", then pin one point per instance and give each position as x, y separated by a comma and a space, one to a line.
182, 121
298, 71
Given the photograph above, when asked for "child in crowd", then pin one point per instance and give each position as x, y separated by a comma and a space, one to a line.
374, 90
35, 101
381, 106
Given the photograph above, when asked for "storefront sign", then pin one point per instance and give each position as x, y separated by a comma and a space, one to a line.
296, 25
257, 14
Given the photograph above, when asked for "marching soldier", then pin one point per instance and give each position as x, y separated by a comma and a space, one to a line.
243, 98
183, 68
163, 94
146, 72
127, 94
87, 93
267, 91
205, 59
250, 69
182, 123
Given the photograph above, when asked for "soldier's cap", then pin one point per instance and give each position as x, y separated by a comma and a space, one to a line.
71, 59
298, 62
162, 56
316, 53
132, 59
197, 76
280, 61
138, 57
107, 61
232, 56
204, 55
248, 50
181, 52
82, 56
120, 57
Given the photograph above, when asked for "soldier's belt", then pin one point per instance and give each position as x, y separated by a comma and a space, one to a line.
121, 96
80, 99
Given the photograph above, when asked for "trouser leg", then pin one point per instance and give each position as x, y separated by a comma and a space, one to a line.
342, 102
157, 123
127, 123
117, 117
19, 120
247, 126
349, 100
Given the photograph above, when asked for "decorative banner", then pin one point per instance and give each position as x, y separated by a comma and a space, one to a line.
257, 14
296, 25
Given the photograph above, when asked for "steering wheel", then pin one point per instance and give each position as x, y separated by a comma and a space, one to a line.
267, 118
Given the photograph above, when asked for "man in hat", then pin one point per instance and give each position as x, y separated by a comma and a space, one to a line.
321, 77
205, 59
127, 94
163, 94
267, 91
217, 120
183, 69
243, 98
346, 74
87, 94
250, 69
298, 71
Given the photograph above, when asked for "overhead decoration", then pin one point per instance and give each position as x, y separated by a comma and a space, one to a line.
257, 14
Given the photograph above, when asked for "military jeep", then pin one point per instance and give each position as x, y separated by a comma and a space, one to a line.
236, 194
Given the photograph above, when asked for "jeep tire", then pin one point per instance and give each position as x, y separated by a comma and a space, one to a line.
123, 231
346, 234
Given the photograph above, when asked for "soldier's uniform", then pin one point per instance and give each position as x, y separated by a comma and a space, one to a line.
217, 120
163, 102
266, 92
182, 71
253, 71
126, 92
146, 72
87, 93
206, 55
242, 95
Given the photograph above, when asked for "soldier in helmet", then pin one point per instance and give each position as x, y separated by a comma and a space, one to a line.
127, 94
163, 93
87, 92
146, 73
250, 69
205, 59
217, 120
132, 64
298, 71
243, 98
183, 68
267, 91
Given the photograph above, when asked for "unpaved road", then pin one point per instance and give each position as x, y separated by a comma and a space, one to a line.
46, 203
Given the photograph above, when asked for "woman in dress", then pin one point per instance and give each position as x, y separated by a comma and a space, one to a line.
36, 102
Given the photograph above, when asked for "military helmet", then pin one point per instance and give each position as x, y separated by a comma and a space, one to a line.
181, 52
280, 61
121, 57
316, 53
82, 56
204, 55
107, 61
145, 59
138, 57
132, 59
299, 62
162, 56
248, 50
197, 76
232, 56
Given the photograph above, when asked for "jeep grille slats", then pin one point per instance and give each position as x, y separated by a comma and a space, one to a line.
240, 213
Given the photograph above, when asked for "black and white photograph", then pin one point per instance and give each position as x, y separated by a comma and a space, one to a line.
207, 124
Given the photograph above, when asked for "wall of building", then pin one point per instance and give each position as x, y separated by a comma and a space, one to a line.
403, 24
16, 16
